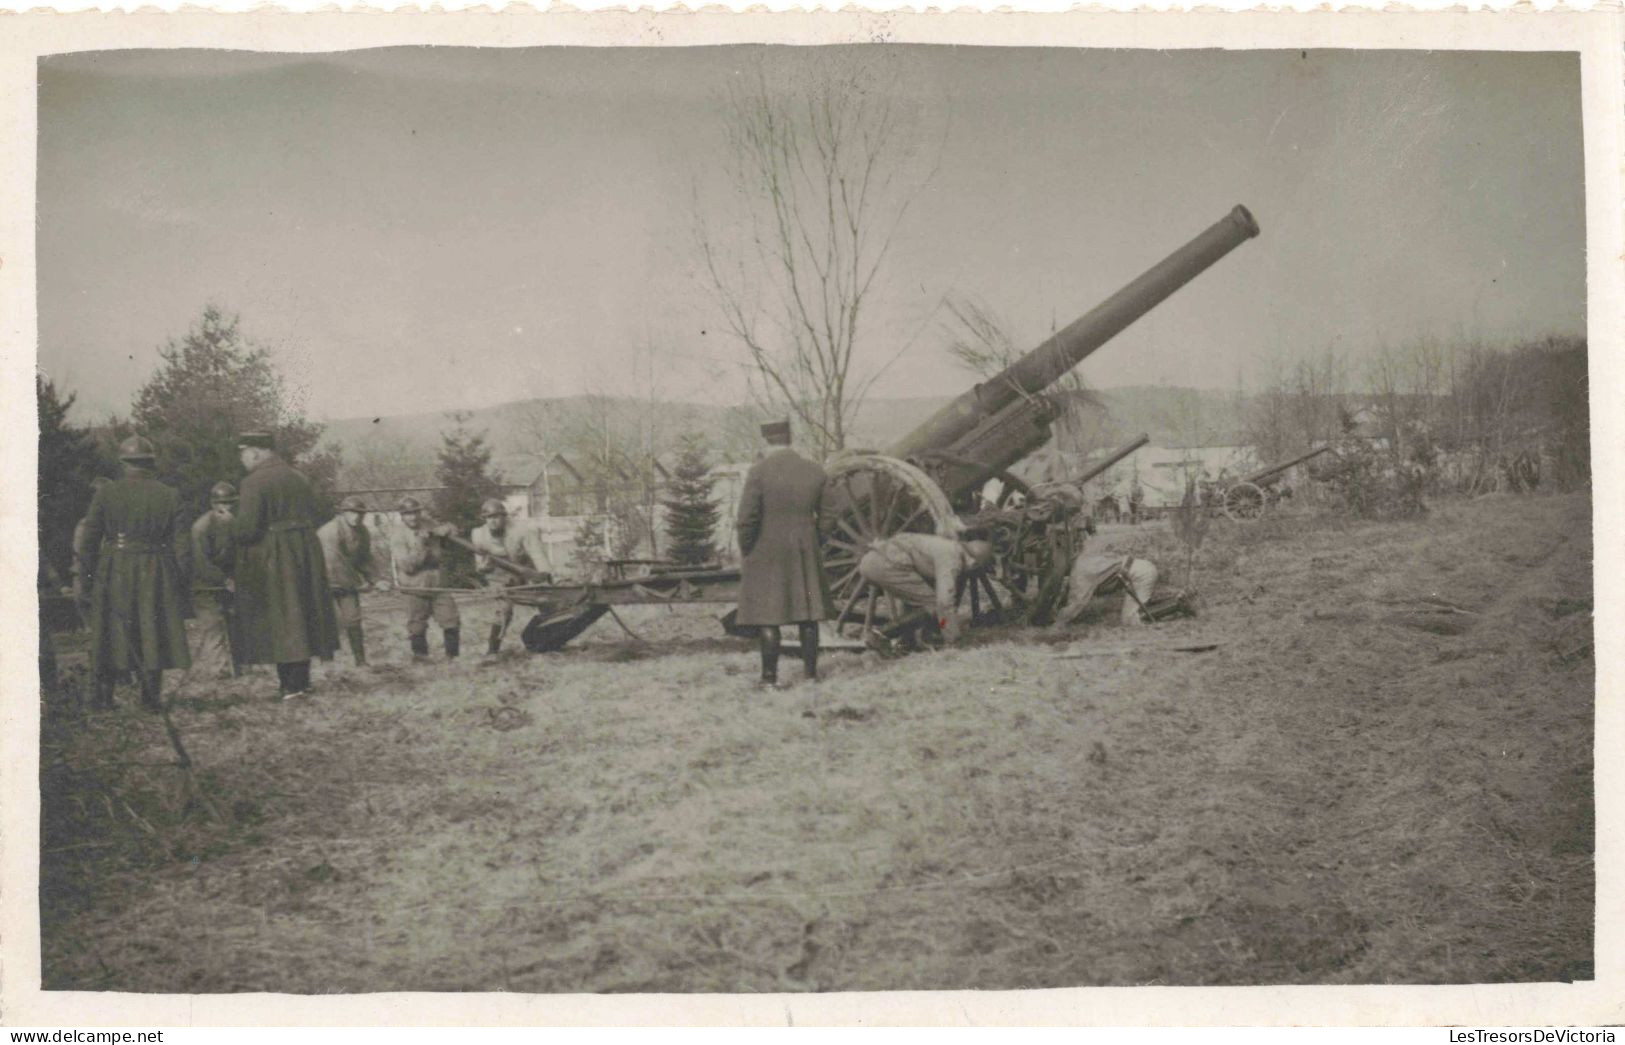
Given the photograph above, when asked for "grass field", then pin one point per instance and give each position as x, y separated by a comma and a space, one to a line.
1382, 774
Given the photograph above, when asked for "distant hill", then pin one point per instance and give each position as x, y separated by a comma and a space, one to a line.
399, 450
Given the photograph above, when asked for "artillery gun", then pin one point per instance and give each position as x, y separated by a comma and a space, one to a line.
926, 482
1247, 499
930, 480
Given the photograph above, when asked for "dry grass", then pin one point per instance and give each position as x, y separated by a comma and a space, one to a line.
1357, 786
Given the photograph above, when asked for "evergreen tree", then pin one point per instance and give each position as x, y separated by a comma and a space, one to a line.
691, 512
214, 384
68, 459
463, 473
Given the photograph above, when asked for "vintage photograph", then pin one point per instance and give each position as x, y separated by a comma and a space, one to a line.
748, 518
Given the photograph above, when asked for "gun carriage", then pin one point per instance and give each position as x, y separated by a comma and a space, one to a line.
1247, 499
931, 481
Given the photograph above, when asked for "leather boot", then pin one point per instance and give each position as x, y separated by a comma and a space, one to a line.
808, 634
767, 639
287, 679
420, 645
103, 699
151, 690
454, 643
495, 645
358, 645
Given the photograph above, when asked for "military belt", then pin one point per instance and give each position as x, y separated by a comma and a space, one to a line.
285, 525
123, 543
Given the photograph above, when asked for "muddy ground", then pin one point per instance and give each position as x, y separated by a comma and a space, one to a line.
1380, 774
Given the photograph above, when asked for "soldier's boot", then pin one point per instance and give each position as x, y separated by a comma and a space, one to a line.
454, 643
358, 645
151, 690
767, 639
420, 646
494, 645
808, 633
103, 700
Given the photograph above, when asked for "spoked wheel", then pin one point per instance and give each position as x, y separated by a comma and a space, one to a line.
868, 498
1244, 502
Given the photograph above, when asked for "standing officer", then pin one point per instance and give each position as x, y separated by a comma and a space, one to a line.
212, 553
783, 571
136, 547
415, 553
284, 611
347, 547
519, 544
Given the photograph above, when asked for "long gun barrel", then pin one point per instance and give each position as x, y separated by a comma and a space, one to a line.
1038, 369
1276, 469
1113, 459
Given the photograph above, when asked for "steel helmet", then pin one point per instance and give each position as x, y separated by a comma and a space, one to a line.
135, 448
352, 503
408, 505
221, 493
491, 507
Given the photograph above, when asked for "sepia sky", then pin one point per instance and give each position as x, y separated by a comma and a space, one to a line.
420, 229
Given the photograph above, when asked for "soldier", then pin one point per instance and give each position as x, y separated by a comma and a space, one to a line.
518, 544
1100, 573
347, 547
415, 553
212, 553
284, 611
137, 550
923, 570
782, 578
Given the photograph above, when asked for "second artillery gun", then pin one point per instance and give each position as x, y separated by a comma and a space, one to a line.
930, 482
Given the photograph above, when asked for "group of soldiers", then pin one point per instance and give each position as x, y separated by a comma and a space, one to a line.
783, 580
266, 580
269, 583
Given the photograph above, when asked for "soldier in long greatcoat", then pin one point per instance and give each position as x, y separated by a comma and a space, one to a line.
284, 613
782, 578
137, 549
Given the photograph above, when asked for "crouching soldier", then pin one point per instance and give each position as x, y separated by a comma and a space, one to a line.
514, 542
923, 570
1096, 573
347, 547
212, 553
416, 548
136, 548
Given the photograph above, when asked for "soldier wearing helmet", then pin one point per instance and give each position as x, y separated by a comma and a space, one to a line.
347, 548
137, 549
513, 542
212, 552
417, 548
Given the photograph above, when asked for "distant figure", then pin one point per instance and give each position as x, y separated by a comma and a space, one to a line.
923, 570
1095, 573
137, 549
283, 607
347, 552
415, 552
212, 554
517, 543
782, 578
1136, 504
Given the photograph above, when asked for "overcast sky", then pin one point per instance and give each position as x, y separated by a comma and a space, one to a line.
419, 229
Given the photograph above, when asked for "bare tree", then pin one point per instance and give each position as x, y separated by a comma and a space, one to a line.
819, 178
